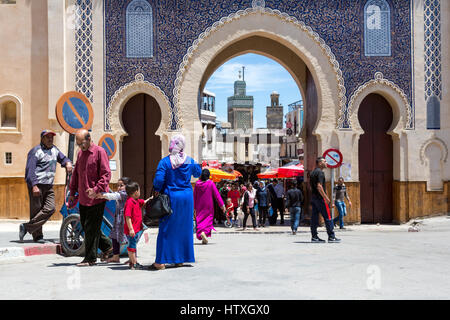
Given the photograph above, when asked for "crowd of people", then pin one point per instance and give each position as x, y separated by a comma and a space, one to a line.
210, 203
263, 203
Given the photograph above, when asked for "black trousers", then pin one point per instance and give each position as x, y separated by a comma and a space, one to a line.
252, 213
262, 215
91, 220
41, 209
320, 207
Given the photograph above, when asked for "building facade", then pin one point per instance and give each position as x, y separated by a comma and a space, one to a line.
370, 73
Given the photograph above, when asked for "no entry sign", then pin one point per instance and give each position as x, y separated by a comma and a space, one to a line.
74, 111
108, 143
333, 158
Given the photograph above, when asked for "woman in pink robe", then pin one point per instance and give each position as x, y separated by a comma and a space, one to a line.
205, 193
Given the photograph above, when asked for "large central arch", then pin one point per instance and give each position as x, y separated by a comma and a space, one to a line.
275, 35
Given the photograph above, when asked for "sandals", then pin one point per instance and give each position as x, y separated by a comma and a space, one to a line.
153, 267
106, 255
204, 239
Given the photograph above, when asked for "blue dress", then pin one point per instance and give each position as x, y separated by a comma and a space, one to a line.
175, 242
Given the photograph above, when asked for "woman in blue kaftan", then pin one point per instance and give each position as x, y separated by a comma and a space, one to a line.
175, 242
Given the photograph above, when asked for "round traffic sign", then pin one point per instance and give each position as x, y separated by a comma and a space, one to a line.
108, 143
74, 111
333, 158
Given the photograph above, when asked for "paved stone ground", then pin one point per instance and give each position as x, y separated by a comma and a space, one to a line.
385, 262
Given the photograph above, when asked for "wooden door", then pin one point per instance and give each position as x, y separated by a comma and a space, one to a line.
141, 149
375, 160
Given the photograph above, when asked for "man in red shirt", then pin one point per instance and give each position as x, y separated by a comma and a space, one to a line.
234, 195
91, 176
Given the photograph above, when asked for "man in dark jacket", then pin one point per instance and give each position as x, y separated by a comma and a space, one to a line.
39, 175
294, 201
262, 196
273, 201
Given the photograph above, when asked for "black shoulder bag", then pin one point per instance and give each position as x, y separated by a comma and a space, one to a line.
157, 208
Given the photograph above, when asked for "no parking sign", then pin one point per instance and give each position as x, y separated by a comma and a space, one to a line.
74, 111
333, 158
108, 143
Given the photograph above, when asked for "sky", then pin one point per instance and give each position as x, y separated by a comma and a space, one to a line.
262, 76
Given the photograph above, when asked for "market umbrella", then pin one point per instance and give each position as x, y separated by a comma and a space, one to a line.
236, 173
216, 175
269, 174
290, 171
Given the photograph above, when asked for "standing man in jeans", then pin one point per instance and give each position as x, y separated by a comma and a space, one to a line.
294, 201
320, 202
40, 175
90, 177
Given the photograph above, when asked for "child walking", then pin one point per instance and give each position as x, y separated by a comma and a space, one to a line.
133, 221
117, 235
230, 210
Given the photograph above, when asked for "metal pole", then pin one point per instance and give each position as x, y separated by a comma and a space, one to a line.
332, 193
70, 153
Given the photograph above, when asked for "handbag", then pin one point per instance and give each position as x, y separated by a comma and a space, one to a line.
157, 208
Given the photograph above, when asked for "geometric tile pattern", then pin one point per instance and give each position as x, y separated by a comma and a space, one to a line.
139, 26
84, 68
377, 28
433, 66
177, 24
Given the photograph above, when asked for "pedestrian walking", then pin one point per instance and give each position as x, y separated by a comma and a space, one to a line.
205, 194
90, 177
39, 175
340, 194
294, 201
234, 194
273, 201
175, 243
117, 232
248, 206
320, 202
280, 194
262, 197
229, 212
133, 227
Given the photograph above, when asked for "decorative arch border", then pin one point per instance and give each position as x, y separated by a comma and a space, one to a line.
379, 80
258, 7
124, 93
441, 145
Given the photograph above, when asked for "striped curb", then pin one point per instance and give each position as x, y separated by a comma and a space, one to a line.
26, 251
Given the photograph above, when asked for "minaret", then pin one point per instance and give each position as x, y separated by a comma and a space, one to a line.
274, 112
240, 105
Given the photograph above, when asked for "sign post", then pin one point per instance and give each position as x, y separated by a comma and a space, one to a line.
73, 112
334, 159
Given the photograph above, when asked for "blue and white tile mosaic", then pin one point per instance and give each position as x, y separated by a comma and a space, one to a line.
139, 26
84, 68
433, 66
377, 28
176, 24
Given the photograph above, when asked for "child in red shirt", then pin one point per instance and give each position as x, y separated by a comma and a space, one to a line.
133, 221
230, 210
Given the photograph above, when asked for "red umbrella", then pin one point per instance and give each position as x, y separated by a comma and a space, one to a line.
269, 174
290, 171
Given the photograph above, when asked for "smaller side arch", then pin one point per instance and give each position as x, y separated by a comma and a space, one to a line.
123, 94
433, 155
392, 93
440, 143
